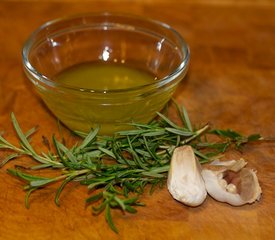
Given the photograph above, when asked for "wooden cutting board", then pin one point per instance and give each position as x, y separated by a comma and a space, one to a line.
231, 83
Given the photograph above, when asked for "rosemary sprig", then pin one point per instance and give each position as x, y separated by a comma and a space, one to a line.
118, 167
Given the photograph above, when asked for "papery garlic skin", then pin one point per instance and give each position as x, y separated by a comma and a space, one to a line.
185, 182
256, 194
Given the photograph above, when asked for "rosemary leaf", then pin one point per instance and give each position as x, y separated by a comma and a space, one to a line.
94, 198
60, 189
27, 196
41, 182
109, 219
27, 177
179, 132
88, 139
20, 134
168, 121
30, 132
187, 120
62, 148
8, 158
254, 137
130, 209
107, 152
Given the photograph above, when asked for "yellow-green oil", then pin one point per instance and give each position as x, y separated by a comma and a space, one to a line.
84, 109
100, 76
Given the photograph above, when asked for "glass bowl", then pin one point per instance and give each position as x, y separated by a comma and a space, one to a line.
119, 40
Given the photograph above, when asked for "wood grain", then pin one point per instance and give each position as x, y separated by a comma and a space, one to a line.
231, 83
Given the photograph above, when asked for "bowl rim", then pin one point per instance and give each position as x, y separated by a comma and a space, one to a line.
29, 69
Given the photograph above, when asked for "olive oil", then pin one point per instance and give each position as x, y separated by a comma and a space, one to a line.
100, 76
98, 94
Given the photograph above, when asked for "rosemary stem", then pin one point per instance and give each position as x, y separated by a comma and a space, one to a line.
45, 160
73, 174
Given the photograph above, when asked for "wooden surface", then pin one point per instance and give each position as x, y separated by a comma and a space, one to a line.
231, 83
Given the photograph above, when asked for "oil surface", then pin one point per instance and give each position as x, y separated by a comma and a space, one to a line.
100, 76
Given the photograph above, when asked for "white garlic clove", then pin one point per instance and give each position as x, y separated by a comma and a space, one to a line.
231, 188
185, 182
234, 184
217, 189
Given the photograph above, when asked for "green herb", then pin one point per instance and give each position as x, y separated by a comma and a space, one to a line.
117, 169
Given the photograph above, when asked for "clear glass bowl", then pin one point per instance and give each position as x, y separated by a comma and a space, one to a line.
133, 41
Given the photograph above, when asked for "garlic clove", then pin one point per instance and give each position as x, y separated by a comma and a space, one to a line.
217, 189
231, 188
233, 184
185, 182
